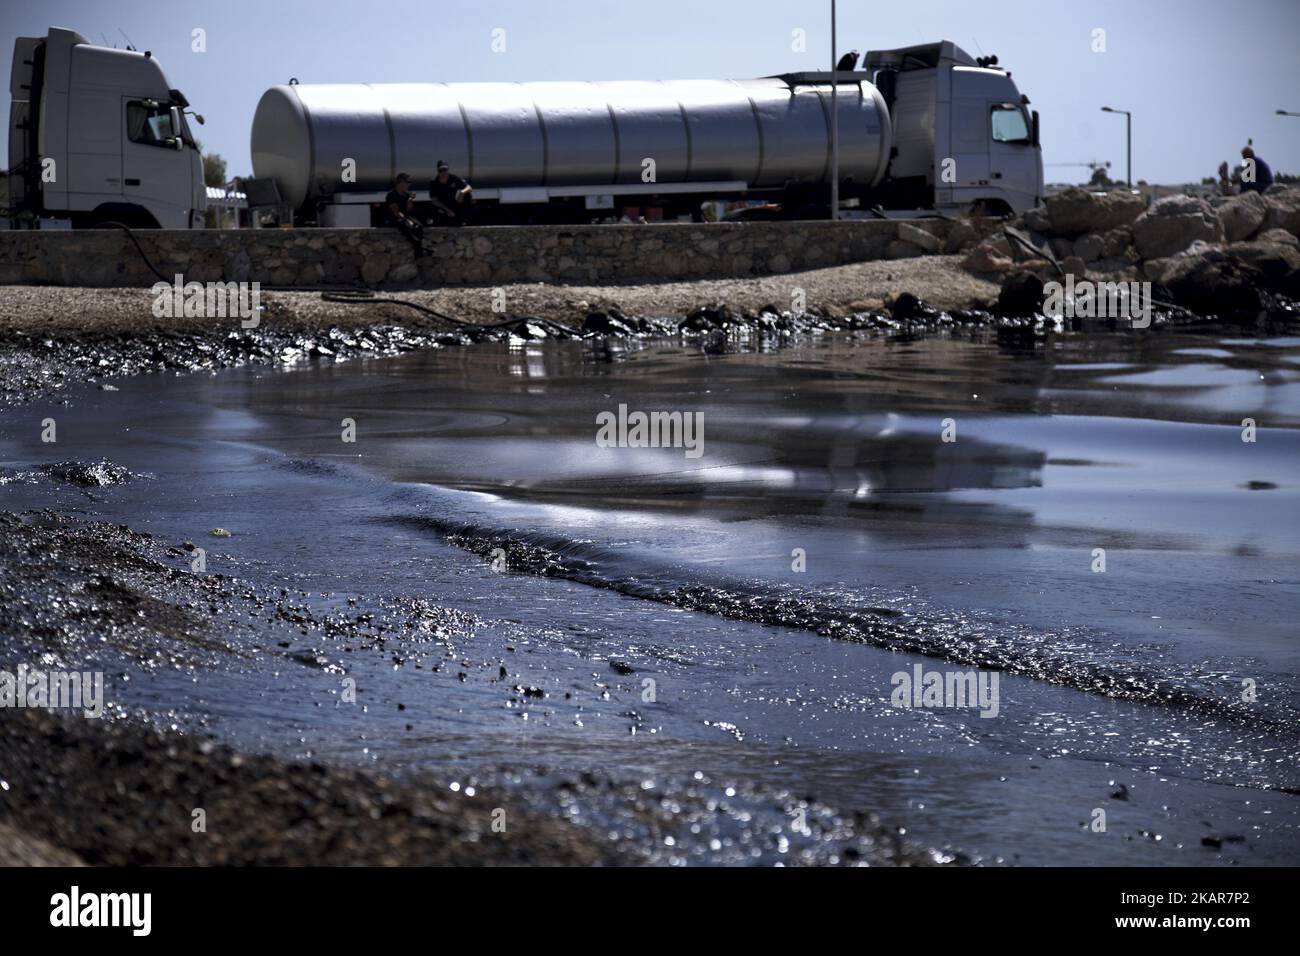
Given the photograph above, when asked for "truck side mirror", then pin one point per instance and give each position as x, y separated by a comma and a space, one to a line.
177, 138
1034, 117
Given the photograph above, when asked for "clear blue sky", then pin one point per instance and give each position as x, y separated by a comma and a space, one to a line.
1200, 75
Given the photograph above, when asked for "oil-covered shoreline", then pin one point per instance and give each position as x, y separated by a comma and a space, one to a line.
52, 337
66, 583
128, 790
56, 339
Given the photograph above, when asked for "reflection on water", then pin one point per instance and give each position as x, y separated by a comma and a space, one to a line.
968, 473
876, 433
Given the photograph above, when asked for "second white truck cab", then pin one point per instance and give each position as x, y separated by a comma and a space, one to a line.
97, 135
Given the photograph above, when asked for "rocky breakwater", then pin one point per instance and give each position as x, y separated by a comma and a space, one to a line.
1232, 257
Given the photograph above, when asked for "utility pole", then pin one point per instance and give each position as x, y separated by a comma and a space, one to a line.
835, 124
1128, 117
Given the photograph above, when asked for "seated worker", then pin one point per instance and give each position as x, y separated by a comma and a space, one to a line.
1258, 182
399, 209
451, 197
1263, 174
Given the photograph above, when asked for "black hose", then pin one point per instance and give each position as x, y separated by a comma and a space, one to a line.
367, 297
140, 249
1019, 238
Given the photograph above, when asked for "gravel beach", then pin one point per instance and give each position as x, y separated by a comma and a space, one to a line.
940, 280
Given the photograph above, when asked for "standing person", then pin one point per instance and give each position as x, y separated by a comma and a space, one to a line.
451, 197
399, 209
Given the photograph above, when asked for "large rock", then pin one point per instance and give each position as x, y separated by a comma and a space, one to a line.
1242, 216
993, 255
1155, 269
1216, 282
1021, 295
1090, 248
1117, 242
1173, 224
908, 307
960, 236
1037, 220
1278, 263
1278, 235
1076, 211
919, 237
1283, 211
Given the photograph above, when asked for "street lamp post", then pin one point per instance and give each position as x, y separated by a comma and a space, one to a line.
1128, 120
835, 124
1287, 113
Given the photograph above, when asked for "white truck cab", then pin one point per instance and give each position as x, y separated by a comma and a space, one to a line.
96, 135
963, 134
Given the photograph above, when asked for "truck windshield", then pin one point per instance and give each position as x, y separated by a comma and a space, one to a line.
150, 123
1009, 124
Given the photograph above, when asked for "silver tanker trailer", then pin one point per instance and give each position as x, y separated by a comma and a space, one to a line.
925, 127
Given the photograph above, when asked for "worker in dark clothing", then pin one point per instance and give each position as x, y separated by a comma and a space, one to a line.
399, 209
1263, 177
451, 197
1253, 175
399, 204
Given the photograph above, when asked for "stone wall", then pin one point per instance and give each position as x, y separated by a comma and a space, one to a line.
382, 258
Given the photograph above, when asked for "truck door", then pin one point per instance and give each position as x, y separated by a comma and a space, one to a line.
155, 173
971, 179
94, 173
992, 142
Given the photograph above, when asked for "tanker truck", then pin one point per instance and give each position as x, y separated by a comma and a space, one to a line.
98, 135
920, 128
